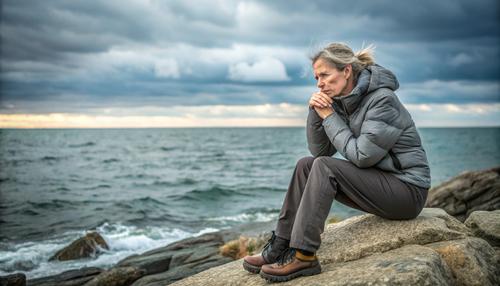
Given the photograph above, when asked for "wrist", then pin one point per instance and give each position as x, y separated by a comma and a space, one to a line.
328, 115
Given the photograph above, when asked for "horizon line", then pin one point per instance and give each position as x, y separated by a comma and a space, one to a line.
208, 127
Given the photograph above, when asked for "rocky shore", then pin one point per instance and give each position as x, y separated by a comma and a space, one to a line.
160, 266
433, 249
454, 241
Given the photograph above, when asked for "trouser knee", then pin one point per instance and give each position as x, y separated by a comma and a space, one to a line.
320, 163
305, 163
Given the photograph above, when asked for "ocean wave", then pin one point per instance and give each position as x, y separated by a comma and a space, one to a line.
123, 240
213, 194
100, 186
136, 176
167, 148
29, 212
86, 144
50, 158
19, 162
160, 183
110, 160
50, 205
261, 189
57, 204
138, 204
62, 189
251, 215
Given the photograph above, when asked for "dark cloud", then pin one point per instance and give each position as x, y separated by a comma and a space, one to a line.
103, 52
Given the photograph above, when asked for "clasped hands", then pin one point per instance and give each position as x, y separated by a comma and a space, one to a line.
322, 103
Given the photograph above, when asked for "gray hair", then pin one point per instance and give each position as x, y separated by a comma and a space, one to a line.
339, 55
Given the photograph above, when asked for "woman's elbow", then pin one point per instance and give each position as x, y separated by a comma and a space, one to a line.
323, 150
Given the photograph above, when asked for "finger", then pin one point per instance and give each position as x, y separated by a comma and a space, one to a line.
321, 103
326, 97
325, 102
320, 98
315, 102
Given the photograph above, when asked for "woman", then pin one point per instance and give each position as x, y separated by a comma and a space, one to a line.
356, 113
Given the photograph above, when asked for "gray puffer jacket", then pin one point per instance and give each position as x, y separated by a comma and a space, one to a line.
371, 128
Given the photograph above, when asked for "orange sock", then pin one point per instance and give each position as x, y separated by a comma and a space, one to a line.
305, 255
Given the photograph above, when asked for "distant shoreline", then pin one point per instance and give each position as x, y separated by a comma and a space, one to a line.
220, 127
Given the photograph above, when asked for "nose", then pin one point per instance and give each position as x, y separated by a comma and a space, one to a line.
320, 83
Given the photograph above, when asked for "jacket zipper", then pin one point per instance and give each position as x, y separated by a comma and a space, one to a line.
346, 113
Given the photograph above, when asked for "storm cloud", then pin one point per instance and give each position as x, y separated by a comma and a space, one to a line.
79, 56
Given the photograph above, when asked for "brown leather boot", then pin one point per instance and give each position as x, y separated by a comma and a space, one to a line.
273, 248
291, 264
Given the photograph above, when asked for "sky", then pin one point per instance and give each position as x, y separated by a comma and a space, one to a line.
138, 63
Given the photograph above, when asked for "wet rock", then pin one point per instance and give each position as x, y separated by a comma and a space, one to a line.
17, 279
73, 277
88, 246
180, 259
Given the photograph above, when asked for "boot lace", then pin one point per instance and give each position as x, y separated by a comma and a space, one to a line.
269, 242
286, 256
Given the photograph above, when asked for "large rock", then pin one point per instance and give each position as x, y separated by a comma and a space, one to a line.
467, 192
68, 278
88, 246
433, 249
409, 265
364, 235
485, 225
159, 266
471, 260
181, 259
118, 276
17, 279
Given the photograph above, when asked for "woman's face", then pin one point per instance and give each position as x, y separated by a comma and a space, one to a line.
330, 81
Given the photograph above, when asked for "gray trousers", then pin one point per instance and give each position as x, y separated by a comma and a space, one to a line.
316, 182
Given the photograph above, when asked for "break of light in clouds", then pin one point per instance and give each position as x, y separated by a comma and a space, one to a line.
236, 63
283, 115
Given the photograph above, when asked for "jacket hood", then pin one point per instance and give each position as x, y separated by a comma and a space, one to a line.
370, 79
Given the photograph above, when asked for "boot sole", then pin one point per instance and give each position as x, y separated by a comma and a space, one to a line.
251, 268
304, 272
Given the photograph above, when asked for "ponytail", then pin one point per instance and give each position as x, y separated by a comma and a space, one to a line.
365, 56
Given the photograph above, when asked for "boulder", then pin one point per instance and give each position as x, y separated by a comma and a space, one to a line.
180, 259
118, 276
467, 192
88, 246
472, 261
16, 279
364, 235
485, 225
159, 266
433, 249
165, 264
73, 277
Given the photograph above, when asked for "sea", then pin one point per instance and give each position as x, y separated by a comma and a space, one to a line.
146, 188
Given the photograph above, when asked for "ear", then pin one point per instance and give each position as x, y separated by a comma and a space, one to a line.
348, 71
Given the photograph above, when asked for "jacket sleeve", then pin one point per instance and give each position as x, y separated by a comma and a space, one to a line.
377, 136
317, 141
